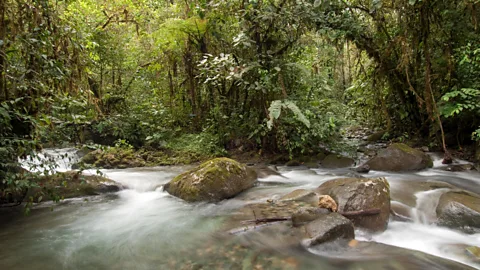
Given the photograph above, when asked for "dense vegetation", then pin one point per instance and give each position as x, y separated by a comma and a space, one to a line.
207, 76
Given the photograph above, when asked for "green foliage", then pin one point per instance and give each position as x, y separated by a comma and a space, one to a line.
276, 109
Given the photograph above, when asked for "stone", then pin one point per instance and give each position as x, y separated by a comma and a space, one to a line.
362, 169
329, 228
301, 195
327, 202
361, 194
212, 181
293, 163
307, 214
74, 184
400, 157
459, 210
266, 171
459, 168
377, 136
334, 161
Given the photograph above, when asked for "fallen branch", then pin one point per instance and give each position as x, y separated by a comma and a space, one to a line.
368, 212
266, 220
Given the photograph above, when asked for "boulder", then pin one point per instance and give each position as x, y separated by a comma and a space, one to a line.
400, 157
301, 195
477, 152
459, 210
334, 161
112, 158
362, 169
458, 168
212, 181
264, 171
377, 136
329, 227
293, 163
363, 196
72, 184
308, 214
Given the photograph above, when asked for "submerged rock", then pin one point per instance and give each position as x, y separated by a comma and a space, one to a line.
328, 228
334, 161
212, 181
361, 195
400, 157
459, 210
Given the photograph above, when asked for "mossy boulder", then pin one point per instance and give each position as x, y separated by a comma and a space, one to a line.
334, 161
72, 184
361, 194
459, 210
400, 157
212, 181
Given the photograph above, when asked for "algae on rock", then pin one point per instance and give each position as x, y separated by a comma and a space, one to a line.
212, 181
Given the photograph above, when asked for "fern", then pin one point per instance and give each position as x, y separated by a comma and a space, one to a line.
275, 110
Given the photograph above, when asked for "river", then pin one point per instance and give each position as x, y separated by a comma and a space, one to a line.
143, 227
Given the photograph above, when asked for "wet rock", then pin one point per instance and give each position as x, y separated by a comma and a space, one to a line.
405, 191
301, 195
336, 161
212, 181
425, 149
355, 194
459, 210
112, 158
311, 165
362, 169
328, 228
400, 157
293, 163
266, 171
308, 214
400, 211
458, 168
73, 184
477, 152
377, 136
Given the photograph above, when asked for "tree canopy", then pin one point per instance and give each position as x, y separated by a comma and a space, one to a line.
271, 75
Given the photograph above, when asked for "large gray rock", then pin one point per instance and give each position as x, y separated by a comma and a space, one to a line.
334, 161
308, 214
328, 228
459, 210
301, 195
400, 157
361, 194
212, 181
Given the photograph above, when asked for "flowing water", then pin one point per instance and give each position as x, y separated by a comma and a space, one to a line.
145, 228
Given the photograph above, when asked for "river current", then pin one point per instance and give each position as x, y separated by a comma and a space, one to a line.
143, 227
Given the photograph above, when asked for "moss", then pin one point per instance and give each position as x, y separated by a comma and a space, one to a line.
407, 149
211, 181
